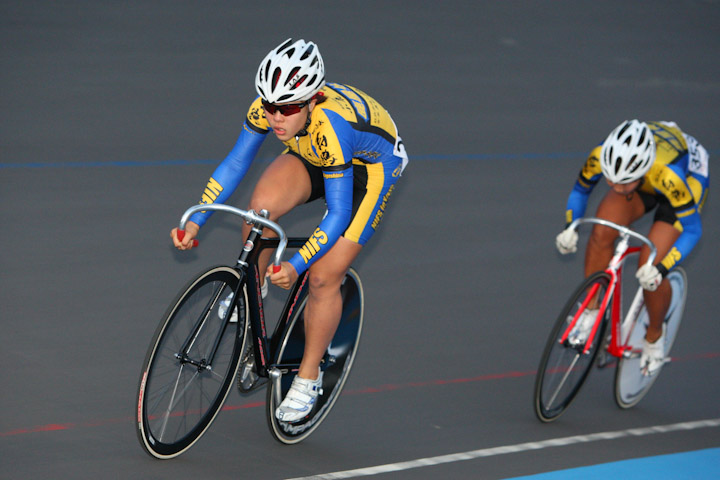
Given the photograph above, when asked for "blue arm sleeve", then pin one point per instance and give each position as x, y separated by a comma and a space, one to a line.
691, 233
577, 202
339, 196
228, 175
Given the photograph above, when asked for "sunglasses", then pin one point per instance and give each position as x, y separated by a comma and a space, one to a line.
285, 110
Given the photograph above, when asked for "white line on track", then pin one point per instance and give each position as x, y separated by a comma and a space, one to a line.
521, 447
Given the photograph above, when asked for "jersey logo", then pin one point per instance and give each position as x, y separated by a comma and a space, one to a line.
381, 210
312, 246
672, 258
326, 158
674, 192
211, 192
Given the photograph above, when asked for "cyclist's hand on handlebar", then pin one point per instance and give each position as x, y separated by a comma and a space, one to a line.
283, 278
191, 231
566, 241
649, 277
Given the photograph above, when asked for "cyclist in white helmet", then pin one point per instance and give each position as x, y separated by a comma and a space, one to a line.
340, 145
648, 166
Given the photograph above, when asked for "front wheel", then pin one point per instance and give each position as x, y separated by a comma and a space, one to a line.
564, 367
191, 363
336, 364
630, 383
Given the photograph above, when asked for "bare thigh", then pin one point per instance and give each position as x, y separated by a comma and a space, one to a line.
620, 209
284, 185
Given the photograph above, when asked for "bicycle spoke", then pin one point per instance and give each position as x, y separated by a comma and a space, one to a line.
171, 403
563, 380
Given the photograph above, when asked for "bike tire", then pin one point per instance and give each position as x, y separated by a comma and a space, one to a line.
177, 400
336, 366
563, 367
630, 384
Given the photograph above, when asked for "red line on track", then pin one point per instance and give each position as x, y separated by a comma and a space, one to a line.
52, 427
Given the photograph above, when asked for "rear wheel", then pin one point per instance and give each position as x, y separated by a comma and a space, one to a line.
190, 364
630, 384
336, 364
564, 367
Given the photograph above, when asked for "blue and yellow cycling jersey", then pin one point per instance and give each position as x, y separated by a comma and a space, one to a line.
679, 175
347, 128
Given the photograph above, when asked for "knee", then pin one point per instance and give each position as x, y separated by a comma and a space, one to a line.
602, 237
262, 201
321, 282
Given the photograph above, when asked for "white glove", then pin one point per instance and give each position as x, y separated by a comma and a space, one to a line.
566, 241
649, 277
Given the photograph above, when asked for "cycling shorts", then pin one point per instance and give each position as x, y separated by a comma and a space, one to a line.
370, 194
665, 212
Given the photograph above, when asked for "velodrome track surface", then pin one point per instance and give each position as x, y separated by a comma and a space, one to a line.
114, 115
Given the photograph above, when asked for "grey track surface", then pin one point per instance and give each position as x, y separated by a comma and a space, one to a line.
113, 115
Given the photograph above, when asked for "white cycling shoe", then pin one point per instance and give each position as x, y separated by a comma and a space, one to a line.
653, 356
300, 399
222, 308
226, 303
581, 331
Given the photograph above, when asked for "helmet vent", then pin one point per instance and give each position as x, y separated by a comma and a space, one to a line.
291, 77
284, 45
642, 138
276, 77
623, 129
307, 53
633, 164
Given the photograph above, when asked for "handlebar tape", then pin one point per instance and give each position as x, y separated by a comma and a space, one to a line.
181, 235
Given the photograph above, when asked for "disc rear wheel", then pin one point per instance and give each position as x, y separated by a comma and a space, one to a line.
630, 383
336, 364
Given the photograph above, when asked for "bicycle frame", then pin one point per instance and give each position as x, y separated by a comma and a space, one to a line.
617, 346
247, 266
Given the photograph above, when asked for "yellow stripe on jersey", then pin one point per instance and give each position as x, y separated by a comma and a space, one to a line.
685, 213
696, 189
375, 184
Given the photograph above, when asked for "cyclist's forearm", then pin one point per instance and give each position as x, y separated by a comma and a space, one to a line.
228, 175
692, 231
338, 194
576, 204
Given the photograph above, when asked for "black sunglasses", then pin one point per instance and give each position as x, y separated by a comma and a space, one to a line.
286, 109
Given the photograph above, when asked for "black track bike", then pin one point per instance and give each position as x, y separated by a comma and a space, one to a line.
213, 335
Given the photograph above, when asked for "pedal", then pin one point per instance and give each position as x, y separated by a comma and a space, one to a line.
603, 359
248, 380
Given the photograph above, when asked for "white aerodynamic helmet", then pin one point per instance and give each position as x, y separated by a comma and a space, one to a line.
628, 153
292, 72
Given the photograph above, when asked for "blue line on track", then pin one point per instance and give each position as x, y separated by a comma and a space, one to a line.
413, 158
161, 163
697, 465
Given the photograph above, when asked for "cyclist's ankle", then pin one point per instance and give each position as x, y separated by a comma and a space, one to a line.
309, 374
653, 337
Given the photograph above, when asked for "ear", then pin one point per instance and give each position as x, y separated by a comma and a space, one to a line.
311, 105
